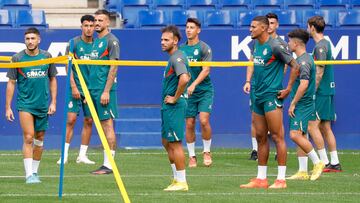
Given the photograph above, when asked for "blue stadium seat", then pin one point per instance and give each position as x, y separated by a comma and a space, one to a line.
289, 18
328, 15
219, 19
31, 18
153, 18
235, 4
179, 18
349, 18
355, 4
202, 4
5, 19
300, 4
130, 10
268, 4
169, 5
333, 4
244, 18
16, 4
113, 5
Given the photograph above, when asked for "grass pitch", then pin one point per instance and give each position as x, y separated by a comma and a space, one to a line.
147, 172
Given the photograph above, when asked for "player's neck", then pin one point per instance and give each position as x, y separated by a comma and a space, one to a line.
173, 50
34, 52
263, 38
274, 35
87, 39
318, 37
193, 41
300, 51
103, 33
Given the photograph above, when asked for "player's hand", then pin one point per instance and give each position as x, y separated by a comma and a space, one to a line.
75, 92
291, 110
282, 94
52, 109
169, 100
190, 90
104, 99
9, 115
247, 87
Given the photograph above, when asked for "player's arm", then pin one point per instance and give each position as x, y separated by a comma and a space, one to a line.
206, 56
74, 90
114, 54
10, 89
53, 88
298, 95
319, 54
183, 81
294, 71
249, 74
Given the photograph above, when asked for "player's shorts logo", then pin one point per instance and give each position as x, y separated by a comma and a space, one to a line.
70, 104
296, 123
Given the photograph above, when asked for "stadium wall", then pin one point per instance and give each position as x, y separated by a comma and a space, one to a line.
142, 85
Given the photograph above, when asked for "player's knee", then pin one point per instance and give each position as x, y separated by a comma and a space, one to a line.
204, 122
38, 142
71, 121
190, 124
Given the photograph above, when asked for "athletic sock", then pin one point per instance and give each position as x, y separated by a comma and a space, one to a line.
83, 149
181, 176
35, 166
207, 145
173, 168
262, 170
334, 157
323, 156
281, 172
28, 167
303, 163
66, 152
106, 160
314, 157
254, 143
191, 149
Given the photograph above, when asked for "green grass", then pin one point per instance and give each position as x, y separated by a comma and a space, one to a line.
146, 172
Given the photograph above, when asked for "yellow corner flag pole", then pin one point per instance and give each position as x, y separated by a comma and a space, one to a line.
101, 133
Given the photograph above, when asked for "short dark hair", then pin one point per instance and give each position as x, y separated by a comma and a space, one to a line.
193, 20
300, 34
318, 22
103, 12
261, 19
272, 15
172, 29
32, 30
87, 18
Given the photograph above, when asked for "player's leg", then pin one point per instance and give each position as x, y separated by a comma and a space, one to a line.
318, 140
190, 140
325, 128
305, 145
302, 173
253, 154
206, 132
37, 152
70, 124
27, 125
274, 119
261, 129
85, 140
170, 153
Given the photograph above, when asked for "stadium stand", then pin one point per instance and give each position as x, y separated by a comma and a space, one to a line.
289, 18
348, 19
236, 5
220, 19
130, 11
202, 4
268, 4
16, 4
333, 4
5, 19
30, 18
329, 16
300, 4
153, 18
178, 18
169, 5
355, 4
244, 18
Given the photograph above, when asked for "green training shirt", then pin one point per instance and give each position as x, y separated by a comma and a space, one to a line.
196, 53
105, 48
32, 82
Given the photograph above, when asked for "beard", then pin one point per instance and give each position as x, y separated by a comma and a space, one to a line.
32, 48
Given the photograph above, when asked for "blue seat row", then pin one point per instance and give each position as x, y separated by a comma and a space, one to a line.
15, 4
240, 19
119, 5
22, 18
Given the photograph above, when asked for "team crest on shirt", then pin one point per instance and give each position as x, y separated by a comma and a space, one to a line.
196, 52
265, 52
115, 43
70, 104
209, 50
179, 59
303, 63
321, 50
101, 44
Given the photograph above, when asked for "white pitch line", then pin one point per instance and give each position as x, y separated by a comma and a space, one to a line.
163, 153
188, 194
